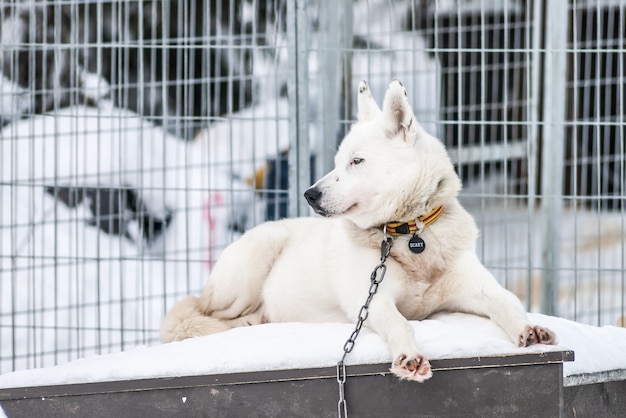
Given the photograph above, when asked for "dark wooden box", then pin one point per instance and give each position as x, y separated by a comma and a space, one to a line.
524, 385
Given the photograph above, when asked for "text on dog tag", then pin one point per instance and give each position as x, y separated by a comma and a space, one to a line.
416, 244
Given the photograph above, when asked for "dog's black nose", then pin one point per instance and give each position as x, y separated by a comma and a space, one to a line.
311, 195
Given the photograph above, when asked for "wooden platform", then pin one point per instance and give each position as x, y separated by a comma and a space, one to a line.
527, 385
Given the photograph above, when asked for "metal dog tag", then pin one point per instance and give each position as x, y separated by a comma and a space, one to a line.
416, 244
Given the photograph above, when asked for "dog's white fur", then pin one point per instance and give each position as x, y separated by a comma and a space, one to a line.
317, 269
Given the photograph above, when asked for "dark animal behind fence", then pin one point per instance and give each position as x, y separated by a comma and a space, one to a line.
175, 62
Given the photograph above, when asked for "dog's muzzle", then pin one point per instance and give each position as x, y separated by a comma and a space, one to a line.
313, 196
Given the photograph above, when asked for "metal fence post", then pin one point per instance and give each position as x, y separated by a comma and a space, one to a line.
335, 84
553, 141
297, 87
329, 98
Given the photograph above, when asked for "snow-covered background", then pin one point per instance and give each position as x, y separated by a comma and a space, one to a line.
70, 290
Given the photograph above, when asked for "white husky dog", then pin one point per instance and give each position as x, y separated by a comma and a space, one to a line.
391, 178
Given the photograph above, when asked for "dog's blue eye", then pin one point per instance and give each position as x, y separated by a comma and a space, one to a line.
356, 161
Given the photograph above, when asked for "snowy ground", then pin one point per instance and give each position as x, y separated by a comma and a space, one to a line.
598, 350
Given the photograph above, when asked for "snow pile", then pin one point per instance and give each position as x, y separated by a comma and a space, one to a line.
297, 345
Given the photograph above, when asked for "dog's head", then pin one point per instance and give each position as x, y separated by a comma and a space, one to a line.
387, 168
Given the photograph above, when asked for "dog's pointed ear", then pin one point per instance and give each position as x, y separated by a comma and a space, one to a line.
367, 107
397, 113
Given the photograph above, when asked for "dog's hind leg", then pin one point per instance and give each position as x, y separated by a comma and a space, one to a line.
235, 286
232, 297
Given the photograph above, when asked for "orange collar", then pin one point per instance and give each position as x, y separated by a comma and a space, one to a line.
402, 228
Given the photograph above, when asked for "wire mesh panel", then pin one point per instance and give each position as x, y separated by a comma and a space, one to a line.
595, 163
141, 137
136, 141
480, 76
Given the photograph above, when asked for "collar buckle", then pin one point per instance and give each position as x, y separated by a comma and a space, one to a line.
411, 227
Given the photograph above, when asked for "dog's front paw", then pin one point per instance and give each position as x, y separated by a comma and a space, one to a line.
415, 367
536, 335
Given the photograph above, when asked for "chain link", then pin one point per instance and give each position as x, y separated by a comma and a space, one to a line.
377, 276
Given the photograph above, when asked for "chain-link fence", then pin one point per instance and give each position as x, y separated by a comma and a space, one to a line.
140, 137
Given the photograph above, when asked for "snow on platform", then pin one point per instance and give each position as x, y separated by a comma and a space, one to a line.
599, 351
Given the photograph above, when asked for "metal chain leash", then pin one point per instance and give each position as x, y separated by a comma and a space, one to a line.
376, 277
